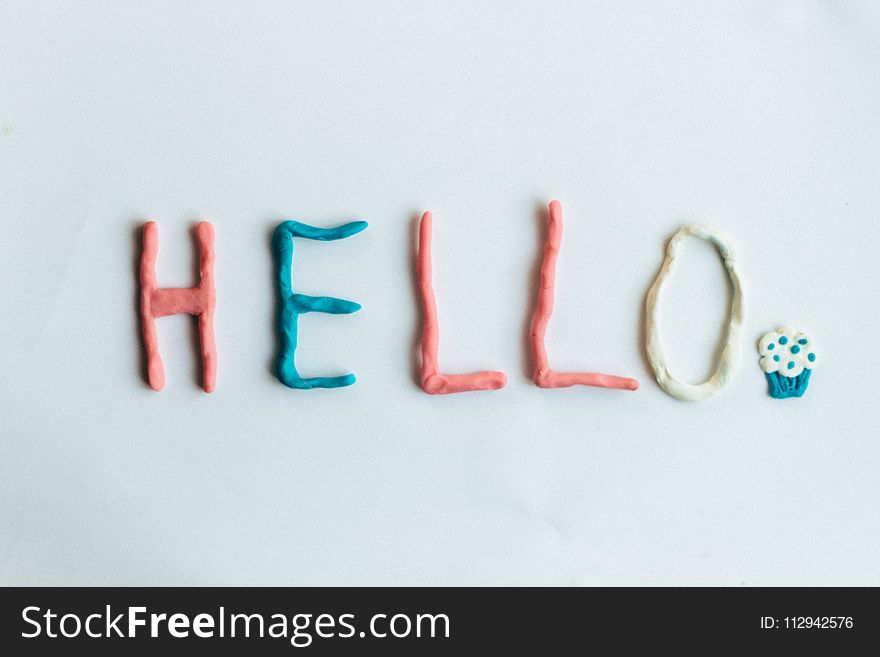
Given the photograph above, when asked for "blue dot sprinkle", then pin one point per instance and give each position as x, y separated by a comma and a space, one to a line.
811, 357
771, 347
776, 357
803, 341
795, 349
791, 364
783, 340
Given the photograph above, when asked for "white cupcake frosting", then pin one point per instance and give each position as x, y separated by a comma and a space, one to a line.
786, 351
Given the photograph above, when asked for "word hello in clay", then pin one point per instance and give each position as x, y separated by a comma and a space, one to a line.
200, 301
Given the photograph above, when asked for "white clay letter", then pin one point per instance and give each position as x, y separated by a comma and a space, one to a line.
729, 357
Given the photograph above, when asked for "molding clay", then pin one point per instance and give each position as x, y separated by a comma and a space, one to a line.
290, 306
433, 382
654, 345
543, 375
787, 358
199, 301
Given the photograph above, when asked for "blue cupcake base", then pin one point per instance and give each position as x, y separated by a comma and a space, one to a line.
783, 387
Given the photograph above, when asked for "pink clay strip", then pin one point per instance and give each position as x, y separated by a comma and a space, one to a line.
161, 302
433, 382
545, 377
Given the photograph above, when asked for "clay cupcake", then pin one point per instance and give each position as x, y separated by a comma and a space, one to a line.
787, 358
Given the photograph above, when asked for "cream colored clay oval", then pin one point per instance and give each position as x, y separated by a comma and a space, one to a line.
654, 345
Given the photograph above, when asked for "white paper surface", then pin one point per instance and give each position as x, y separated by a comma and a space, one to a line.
758, 118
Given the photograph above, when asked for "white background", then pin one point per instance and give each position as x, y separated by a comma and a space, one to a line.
758, 118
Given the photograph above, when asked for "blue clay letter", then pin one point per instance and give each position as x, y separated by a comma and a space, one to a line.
291, 306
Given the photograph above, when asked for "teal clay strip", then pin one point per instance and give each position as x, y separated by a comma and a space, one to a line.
291, 306
783, 387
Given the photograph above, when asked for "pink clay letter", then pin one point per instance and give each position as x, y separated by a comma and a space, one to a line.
199, 301
433, 382
545, 377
